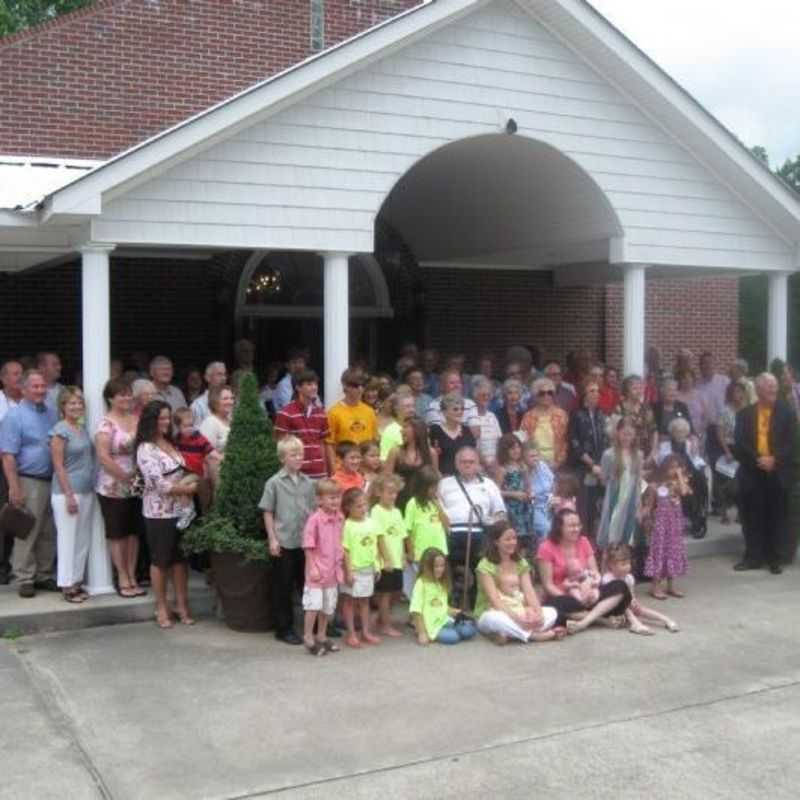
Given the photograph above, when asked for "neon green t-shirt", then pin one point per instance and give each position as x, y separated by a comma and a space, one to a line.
429, 600
486, 567
392, 529
391, 437
425, 528
360, 539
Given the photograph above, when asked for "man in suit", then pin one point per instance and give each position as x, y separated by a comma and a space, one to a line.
763, 447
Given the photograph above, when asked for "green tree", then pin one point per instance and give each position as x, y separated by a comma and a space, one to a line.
790, 172
235, 524
16, 15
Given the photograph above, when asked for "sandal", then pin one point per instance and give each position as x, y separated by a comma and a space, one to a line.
658, 596
164, 624
139, 591
316, 649
185, 619
75, 596
127, 592
671, 626
330, 647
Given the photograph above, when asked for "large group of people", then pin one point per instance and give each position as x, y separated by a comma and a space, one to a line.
521, 502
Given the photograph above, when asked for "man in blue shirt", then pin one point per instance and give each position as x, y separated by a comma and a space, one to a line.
28, 469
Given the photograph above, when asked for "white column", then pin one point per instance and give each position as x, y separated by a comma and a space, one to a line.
633, 322
96, 330
336, 318
778, 316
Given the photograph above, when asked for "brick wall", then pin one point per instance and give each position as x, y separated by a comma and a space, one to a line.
97, 81
699, 313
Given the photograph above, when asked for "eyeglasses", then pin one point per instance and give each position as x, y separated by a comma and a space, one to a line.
546, 392
355, 385
456, 408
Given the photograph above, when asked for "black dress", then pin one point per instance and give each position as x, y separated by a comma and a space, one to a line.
449, 446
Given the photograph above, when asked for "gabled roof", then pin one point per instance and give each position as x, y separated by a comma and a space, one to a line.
576, 23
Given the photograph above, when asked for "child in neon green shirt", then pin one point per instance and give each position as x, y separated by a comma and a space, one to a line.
433, 619
391, 540
360, 545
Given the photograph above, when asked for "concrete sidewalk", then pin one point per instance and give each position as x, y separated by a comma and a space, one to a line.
135, 712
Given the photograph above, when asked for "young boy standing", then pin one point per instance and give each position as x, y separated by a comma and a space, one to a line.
322, 543
287, 502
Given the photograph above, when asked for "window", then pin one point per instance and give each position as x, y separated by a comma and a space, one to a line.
317, 25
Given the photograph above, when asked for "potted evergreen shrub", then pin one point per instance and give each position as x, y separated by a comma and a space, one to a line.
233, 531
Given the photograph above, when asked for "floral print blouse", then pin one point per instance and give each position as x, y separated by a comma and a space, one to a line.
161, 471
121, 451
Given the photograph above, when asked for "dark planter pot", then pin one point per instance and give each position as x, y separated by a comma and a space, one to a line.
244, 591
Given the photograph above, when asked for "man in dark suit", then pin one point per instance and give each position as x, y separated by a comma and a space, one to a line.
763, 447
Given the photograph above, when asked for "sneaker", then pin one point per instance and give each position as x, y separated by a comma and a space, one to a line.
26, 590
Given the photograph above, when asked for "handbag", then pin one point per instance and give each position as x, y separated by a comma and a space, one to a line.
16, 521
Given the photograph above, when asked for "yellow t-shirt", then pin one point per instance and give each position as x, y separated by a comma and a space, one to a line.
544, 440
763, 419
429, 600
392, 529
360, 540
351, 423
425, 528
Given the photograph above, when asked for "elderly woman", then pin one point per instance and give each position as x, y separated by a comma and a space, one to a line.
452, 435
470, 502
72, 493
567, 552
588, 440
114, 446
509, 414
546, 424
507, 606
167, 495
144, 392
217, 425
633, 408
401, 407
490, 433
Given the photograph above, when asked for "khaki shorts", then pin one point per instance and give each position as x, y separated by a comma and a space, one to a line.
363, 584
324, 600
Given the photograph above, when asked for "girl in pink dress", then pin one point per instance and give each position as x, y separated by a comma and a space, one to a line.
666, 557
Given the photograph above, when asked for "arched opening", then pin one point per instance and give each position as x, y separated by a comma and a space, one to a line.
488, 222
279, 303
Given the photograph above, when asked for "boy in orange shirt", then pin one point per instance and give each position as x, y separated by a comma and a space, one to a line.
348, 474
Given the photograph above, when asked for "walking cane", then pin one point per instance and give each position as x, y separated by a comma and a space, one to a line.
467, 563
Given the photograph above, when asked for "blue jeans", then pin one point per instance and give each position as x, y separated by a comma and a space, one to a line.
455, 632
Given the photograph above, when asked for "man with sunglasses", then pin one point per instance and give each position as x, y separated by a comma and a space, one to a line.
565, 395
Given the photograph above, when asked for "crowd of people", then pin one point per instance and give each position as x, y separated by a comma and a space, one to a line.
522, 502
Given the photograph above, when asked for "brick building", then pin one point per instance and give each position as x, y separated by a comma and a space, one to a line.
497, 172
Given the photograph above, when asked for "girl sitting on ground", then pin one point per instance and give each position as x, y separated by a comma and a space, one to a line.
434, 620
619, 563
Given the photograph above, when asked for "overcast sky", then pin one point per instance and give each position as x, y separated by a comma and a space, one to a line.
740, 60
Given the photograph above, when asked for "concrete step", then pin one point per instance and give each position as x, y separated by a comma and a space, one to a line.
49, 612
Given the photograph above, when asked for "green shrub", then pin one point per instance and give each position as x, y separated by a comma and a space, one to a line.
235, 522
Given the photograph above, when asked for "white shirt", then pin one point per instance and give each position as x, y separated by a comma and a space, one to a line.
490, 433
200, 409
484, 495
216, 431
434, 416
5, 404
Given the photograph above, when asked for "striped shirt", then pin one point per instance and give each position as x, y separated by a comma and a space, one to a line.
310, 425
